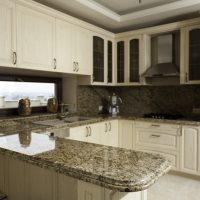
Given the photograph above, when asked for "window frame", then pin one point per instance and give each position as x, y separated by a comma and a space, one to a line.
34, 79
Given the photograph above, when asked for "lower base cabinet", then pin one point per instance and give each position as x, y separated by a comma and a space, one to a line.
22, 181
190, 150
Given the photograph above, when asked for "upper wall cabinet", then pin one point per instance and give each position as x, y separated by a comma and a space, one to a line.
121, 69
128, 60
103, 71
134, 49
7, 34
191, 55
73, 48
83, 49
35, 40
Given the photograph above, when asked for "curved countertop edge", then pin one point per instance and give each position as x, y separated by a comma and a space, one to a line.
126, 186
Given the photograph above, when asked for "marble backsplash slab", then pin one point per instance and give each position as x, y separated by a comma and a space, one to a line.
141, 99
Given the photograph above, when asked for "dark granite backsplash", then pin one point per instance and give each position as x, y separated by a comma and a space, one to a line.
141, 99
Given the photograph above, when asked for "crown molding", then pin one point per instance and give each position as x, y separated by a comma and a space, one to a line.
173, 6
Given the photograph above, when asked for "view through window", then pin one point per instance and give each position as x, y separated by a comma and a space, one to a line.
38, 93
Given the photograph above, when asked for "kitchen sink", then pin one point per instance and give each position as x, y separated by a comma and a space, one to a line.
54, 122
76, 119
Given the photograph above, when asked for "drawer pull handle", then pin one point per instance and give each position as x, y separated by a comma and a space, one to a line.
87, 132
155, 125
155, 136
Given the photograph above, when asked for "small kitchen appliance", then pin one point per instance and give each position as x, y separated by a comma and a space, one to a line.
114, 101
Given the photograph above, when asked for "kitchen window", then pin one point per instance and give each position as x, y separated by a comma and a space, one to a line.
37, 89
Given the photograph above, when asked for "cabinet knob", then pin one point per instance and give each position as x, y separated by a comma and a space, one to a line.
155, 136
87, 131
74, 66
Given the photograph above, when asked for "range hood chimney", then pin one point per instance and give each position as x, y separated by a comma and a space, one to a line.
164, 58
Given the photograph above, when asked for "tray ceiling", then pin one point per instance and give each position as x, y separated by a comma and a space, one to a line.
123, 15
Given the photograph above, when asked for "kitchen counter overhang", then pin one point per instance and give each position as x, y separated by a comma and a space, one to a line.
110, 167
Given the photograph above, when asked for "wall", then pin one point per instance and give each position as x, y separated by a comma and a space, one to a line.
140, 100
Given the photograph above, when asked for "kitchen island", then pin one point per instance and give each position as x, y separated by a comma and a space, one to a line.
38, 166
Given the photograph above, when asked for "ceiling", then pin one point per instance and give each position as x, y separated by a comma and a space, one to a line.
124, 15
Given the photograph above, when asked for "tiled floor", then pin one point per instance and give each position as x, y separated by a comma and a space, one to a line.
175, 187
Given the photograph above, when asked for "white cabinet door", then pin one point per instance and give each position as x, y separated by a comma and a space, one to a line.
64, 46
2, 173
126, 134
88, 191
189, 150
35, 39
7, 33
39, 183
14, 179
83, 52
94, 133
80, 133
112, 133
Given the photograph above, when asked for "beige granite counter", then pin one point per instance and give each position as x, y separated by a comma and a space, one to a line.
113, 168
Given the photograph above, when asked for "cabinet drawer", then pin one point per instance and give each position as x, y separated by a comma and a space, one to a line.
158, 138
174, 128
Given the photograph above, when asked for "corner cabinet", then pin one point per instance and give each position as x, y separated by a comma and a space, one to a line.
8, 35
103, 73
190, 150
35, 40
191, 55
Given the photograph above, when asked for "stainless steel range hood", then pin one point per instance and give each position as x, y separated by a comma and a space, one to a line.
163, 61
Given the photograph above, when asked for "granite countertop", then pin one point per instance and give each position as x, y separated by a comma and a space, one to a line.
110, 167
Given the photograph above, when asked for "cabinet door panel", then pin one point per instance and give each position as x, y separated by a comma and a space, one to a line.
121, 62
79, 133
15, 179
35, 39
126, 134
40, 183
134, 60
190, 150
67, 188
64, 46
87, 191
98, 59
2, 173
7, 33
83, 51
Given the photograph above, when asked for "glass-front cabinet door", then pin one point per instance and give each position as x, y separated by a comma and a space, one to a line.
102, 60
192, 55
120, 62
134, 60
110, 61
98, 59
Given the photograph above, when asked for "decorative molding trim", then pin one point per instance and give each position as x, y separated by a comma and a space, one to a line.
138, 14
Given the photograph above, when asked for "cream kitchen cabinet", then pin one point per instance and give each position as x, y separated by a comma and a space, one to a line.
159, 138
35, 40
88, 133
190, 72
64, 46
88, 191
73, 48
109, 133
126, 132
190, 150
7, 34
2, 174
82, 52
105, 133
103, 60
